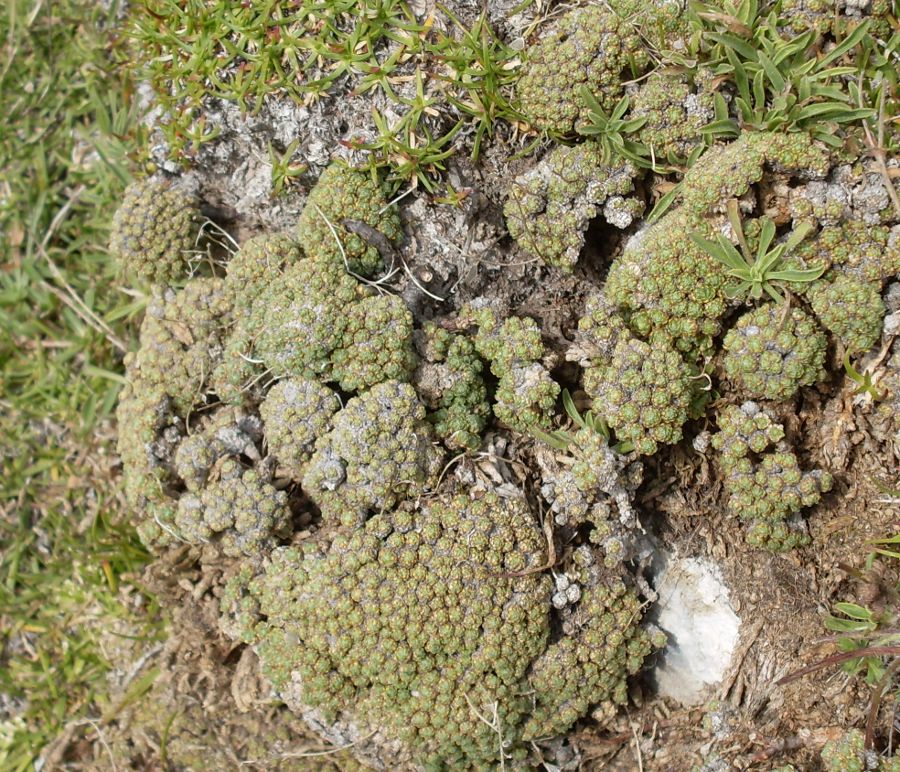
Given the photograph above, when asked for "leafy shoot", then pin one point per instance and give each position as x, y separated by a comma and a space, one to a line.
610, 130
763, 271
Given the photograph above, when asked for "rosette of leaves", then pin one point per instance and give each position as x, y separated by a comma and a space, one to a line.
780, 84
610, 130
763, 270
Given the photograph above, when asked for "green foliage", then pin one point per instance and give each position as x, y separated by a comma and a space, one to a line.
69, 121
410, 622
609, 130
562, 440
410, 147
594, 656
600, 326
860, 626
583, 54
643, 392
863, 380
296, 412
379, 449
239, 510
258, 261
285, 170
851, 309
457, 395
853, 248
181, 339
525, 397
772, 351
278, 313
846, 753
727, 171
763, 478
469, 72
154, 231
668, 288
767, 268
376, 344
676, 109
298, 322
481, 73
782, 84
347, 221
193, 50
526, 392
433, 622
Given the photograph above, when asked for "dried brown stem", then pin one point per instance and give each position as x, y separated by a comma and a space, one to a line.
834, 659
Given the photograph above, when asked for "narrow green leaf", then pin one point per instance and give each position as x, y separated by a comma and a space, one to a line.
854, 611
845, 626
797, 235
805, 275
734, 219
774, 76
793, 47
804, 68
734, 43
558, 440
834, 72
833, 93
664, 203
854, 115
721, 250
695, 155
590, 100
828, 138
571, 409
759, 91
766, 234
740, 76
737, 290
633, 125
620, 109
770, 291
721, 128
825, 110
721, 107
764, 264
845, 45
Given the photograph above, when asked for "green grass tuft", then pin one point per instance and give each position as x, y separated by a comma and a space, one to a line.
70, 119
